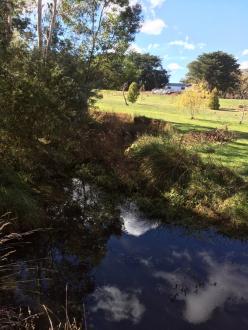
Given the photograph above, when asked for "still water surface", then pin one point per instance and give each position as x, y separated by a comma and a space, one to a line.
128, 272
155, 277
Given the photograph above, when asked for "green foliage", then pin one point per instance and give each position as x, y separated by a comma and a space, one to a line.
150, 72
214, 103
144, 69
48, 75
17, 198
133, 92
194, 98
220, 70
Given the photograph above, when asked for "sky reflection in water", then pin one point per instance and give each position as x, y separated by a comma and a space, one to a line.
165, 278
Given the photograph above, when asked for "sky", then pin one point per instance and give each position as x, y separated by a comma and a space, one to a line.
180, 30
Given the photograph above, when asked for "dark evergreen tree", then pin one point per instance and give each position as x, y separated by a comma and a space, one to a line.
218, 69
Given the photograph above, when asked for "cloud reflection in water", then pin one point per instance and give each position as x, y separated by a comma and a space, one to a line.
225, 281
134, 222
118, 305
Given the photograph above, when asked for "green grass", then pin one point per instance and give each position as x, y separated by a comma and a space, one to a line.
233, 155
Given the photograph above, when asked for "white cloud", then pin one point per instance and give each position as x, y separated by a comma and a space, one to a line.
118, 305
245, 52
174, 66
135, 48
185, 44
153, 26
153, 46
156, 3
244, 65
133, 2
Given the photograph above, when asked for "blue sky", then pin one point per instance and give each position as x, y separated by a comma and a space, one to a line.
179, 30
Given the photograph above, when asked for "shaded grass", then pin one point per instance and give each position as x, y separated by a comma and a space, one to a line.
233, 154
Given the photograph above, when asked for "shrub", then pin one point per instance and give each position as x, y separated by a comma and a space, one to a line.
214, 102
16, 197
194, 98
133, 92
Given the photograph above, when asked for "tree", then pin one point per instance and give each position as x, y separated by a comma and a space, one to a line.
48, 72
152, 74
11, 18
133, 92
214, 103
243, 93
39, 24
194, 98
144, 69
220, 70
100, 27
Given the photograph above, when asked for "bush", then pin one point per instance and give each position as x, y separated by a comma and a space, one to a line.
214, 103
133, 92
16, 197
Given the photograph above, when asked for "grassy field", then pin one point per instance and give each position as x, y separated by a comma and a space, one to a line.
233, 155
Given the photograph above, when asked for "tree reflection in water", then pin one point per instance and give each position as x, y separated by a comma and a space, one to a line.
65, 255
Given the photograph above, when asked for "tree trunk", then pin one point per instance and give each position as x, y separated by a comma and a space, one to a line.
39, 24
51, 28
9, 8
123, 92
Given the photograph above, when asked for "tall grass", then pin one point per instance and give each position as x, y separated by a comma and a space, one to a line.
180, 179
14, 318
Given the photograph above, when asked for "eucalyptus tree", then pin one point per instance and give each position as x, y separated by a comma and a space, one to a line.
100, 27
56, 48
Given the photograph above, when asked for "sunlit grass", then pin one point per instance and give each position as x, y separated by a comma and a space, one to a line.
233, 155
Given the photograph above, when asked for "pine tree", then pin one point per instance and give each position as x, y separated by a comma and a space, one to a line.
133, 92
214, 103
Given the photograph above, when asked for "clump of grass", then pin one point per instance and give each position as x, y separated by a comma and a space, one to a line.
162, 163
177, 180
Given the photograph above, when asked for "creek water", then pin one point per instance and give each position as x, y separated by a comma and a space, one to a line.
167, 278
128, 272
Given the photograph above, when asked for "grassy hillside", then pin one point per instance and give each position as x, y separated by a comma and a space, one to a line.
233, 154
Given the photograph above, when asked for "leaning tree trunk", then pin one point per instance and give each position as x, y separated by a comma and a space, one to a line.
51, 28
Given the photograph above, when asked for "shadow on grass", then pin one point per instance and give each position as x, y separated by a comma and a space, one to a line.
228, 109
185, 127
241, 135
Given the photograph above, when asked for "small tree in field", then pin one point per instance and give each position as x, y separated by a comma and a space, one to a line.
214, 103
142, 90
133, 92
194, 98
